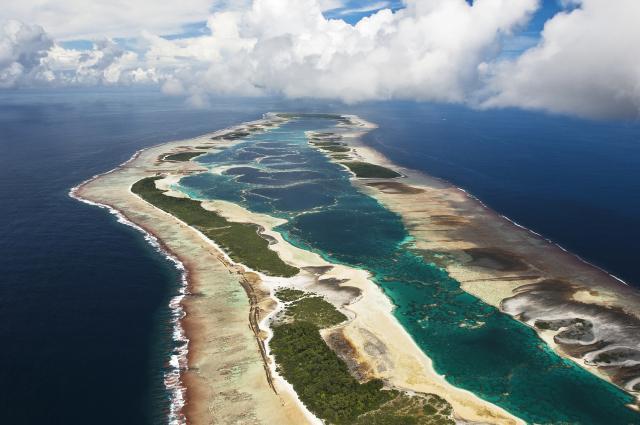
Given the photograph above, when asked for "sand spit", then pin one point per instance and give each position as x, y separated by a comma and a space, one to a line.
225, 377
229, 376
581, 311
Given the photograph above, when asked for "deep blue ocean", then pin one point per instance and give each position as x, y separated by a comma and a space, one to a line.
472, 344
83, 299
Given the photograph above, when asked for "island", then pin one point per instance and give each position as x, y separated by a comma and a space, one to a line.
324, 284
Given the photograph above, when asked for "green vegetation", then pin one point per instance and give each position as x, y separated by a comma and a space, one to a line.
309, 308
317, 311
407, 410
335, 148
366, 170
541, 324
287, 295
322, 379
326, 144
241, 241
181, 156
340, 156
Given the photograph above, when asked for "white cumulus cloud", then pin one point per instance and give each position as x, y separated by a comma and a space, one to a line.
584, 63
429, 50
587, 63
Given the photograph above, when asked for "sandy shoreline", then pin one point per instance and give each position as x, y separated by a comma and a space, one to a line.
515, 269
224, 373
224, 377
223, 361
178, 358
384, 347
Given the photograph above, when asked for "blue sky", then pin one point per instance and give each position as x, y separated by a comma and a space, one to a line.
546, 11
527, 38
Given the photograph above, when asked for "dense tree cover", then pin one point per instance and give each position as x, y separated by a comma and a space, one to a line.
340, 156
335, 148
181, 156
234, 135
366, 170
240, 241
288, 294
325, 144
308, 307
316, 310
426, 409
321, 379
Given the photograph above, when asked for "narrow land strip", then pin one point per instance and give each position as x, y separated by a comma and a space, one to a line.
225, 376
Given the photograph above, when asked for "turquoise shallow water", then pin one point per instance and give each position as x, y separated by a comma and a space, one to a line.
475, 346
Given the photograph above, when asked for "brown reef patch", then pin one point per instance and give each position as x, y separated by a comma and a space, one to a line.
604, 337
347, 352
447, 220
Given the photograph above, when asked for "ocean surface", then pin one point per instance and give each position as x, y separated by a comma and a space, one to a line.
83, 299
575, 182
473, 344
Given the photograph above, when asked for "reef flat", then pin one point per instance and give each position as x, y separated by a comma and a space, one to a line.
579, 310
226, 373
219, 373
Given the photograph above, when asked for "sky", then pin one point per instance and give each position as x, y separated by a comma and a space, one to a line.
573, 57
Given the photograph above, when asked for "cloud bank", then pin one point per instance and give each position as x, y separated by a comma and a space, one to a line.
22, 49
427, 51
587, 63
432, 50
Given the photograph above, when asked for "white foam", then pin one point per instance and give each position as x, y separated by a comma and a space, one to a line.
178, 360
544, 238
282, 382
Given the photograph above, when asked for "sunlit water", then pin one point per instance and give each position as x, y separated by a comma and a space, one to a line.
84, 299
474, 345
85, 323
